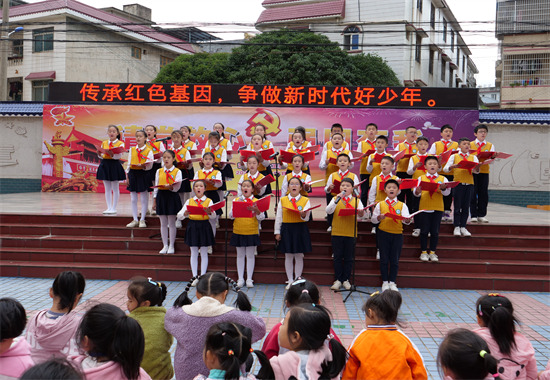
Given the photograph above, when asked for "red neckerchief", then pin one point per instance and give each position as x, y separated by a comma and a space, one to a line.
432, 178
379, 154
253, 178
371, 143
207, 174
342, 176
140, 156
111, 145
297, 176
385, 177
446, 144
151, 143
169, 177
410, 147
180, 156
346, 201
338, 151
464, 156
199, 201
293, 201
480, 146
390, 204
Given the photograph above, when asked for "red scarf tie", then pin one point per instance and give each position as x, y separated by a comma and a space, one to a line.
199, 202
480, 147
346, 201
446, 144
140, 156
410, 147
111, 145
153, 146
293, 201
392, 210
169, 177
371, 143
342, 176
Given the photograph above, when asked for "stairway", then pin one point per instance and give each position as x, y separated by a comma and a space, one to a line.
497, 257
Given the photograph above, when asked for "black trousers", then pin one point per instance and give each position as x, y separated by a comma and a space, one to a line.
343, 250
390, 250
406, 196
480, 198
329, 216
462, 198
448, 199
429, 222
365, 189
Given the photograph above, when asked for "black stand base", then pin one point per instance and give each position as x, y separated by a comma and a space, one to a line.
350, 291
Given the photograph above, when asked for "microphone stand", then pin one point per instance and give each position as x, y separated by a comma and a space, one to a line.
353, 286
226, 229
277, 196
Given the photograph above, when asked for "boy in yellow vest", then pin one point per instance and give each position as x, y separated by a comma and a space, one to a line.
343, 233
432, 204
463, 193
364, 146
480, 199
335, 128
415, 170
438, 147
409, 146
390, 233
343, 163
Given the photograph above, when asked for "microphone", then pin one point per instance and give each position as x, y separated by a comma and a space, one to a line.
164, 139
273, 155
356, 191
226, 194
338, 198
242, 148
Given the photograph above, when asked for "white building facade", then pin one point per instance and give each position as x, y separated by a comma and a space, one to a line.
419, 39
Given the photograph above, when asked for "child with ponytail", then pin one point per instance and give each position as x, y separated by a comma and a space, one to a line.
145, 298
514, 352
226, 350
113, 343
464, 355
51, 332
189, 322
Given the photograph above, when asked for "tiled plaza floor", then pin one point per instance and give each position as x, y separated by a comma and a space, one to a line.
427, 314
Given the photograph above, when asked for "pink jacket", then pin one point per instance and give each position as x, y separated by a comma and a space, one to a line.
545, 375
109, 370
289, 364
16, 360
52, 337
522, 355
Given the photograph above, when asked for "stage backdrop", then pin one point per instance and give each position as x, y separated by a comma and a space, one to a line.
70, 132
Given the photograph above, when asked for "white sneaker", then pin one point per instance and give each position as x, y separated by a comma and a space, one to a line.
385, 285
393, 286
142, 224
132, 224
171, 251
255, 251
483, 219
377, 254
210, 250
240, 283
373, 231
164, 250
336, 285
218, 224
289, 284
433, 257
329, 229
195, 282
249, 283
178, 224
424, 257
456, 232
107, 212
465, 232
153, 212
416, 232
346, 285
473, 220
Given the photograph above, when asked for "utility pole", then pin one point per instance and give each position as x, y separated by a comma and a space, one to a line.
4, 49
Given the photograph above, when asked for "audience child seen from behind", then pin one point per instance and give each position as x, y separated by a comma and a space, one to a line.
382, 351
189, 322
313, 353
138, 178
514, 352
464, 355
145, 298
113, 343
167, 201
226, 350
291, 229
58, 369
51, 332
246, 234
110, 169
295, 295
15, 354
480, 199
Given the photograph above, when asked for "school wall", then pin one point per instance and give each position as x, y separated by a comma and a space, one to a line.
524, 178
20, 154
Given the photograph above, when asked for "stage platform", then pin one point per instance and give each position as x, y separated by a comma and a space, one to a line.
44, 233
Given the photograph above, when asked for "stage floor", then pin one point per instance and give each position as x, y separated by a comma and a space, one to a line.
94, 204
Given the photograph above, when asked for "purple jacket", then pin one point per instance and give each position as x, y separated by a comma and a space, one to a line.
189, 325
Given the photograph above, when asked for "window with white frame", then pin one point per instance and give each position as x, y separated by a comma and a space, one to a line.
418, 49
526, 70
444, 29
351, 38
42, 40
40, 90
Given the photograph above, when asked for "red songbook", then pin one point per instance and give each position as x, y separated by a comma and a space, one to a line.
347, 211
312, 182
489, 161
332, 160
195, 152
265, 153
369, 152
217, 206
431, 187
116, 150
444, 157
408, 183
468, 165
158, 155
240, 209
166, 186
482, 156
378, 157
336, 188
266, 180
422, 159
452, 184
401, 217
298, 211
263, 203
246, 153
218, 163
232, 151
503, 155
196, 210
287, 156
399, 156
359, 158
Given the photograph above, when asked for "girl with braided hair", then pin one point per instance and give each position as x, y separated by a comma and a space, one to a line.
189, 321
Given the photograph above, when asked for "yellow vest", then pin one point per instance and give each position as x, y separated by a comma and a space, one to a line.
154, 146
292, 149
365, 147
431, 202
246, 226
463, 175
165, 179
136, 159
381, 194
181, 154
331, 168
336, 177
486, 148
403, 163
210, 175
440, 148
344, 145
188, 145
302, 178
105, 145
375, 167
259, 176
418, 172
206, 203
292, 217
390, 225
217, 153
343, 225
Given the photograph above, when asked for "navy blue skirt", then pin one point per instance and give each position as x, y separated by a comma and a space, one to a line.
227, 175
295, 238
168, 202
199, 234
244, 240
138, 180
215, 198
110, 170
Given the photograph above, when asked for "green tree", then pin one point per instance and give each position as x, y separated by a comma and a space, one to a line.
195, 68
373, 70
